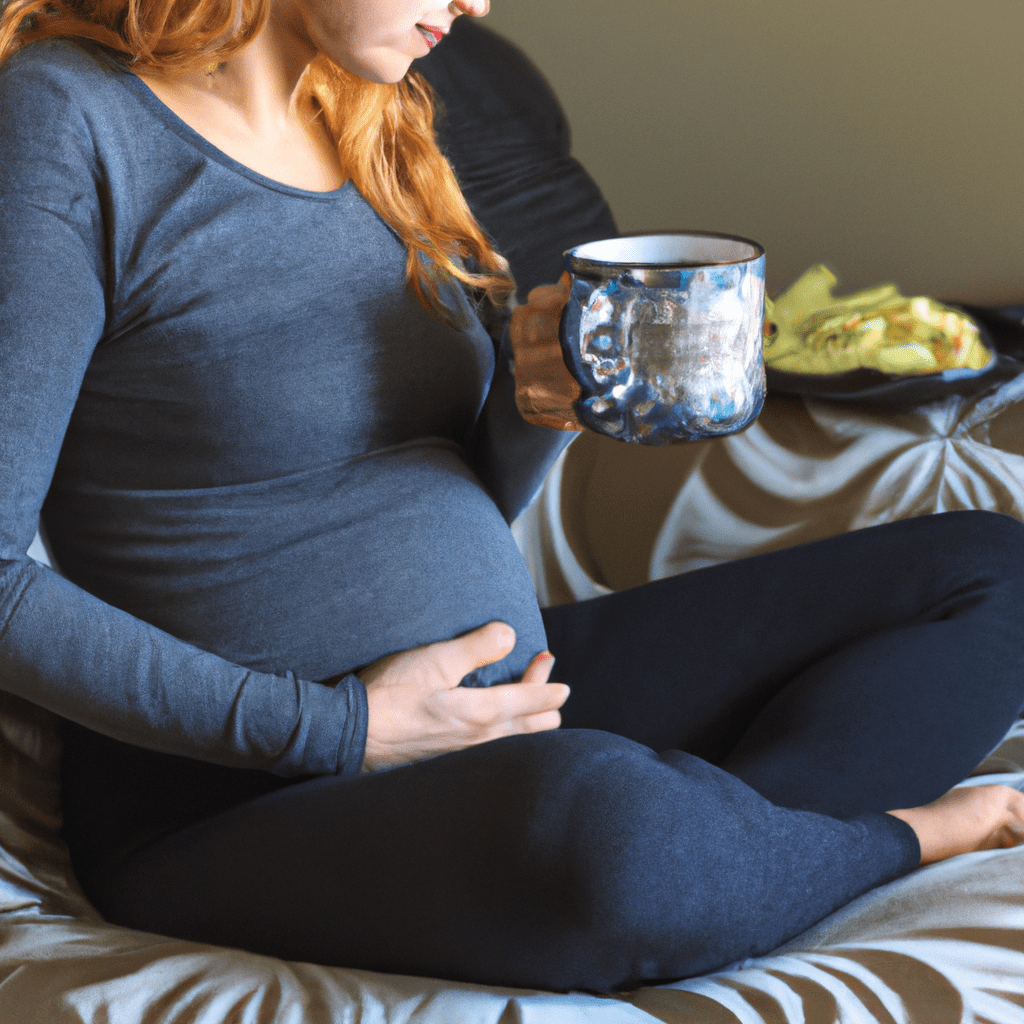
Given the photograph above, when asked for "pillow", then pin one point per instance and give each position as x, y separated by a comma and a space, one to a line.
814, 469
35, 870
614, 515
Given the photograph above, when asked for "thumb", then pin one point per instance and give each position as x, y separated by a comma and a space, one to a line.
478, 647
539, 670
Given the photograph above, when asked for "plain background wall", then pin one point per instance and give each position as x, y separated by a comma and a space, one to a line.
884, 138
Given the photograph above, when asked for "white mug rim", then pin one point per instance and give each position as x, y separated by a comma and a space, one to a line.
596, 253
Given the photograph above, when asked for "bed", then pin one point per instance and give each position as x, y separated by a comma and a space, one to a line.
945, 943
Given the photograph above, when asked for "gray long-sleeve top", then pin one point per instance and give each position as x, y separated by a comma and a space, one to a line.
259, 461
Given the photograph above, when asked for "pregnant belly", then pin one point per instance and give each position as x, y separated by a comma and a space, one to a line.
318, 572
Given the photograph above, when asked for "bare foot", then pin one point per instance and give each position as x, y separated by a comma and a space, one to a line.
967, 819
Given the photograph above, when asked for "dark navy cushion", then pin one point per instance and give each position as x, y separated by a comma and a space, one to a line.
507, 137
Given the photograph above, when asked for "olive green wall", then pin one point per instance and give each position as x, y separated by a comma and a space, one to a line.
882, 137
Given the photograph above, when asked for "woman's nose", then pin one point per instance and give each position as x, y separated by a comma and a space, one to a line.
474, 8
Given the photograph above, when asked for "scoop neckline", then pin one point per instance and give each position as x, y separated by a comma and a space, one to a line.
188, 134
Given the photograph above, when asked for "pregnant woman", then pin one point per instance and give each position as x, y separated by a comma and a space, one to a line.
255, 382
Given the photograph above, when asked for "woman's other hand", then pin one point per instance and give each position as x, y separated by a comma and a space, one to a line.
545, 390
418, 710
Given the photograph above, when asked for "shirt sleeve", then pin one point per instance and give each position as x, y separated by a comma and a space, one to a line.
507, 137
59, 646
511, 456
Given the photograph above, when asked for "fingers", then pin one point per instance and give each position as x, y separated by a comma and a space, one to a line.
416, 708
554, 694
546, 392
536, 322
532, 326
507, 709
542, 380
550, 297
552, 407
478, 647
541, 723
539, 670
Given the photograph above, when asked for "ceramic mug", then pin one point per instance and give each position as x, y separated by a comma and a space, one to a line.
663, 332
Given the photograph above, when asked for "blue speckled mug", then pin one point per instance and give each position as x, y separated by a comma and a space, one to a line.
663, 332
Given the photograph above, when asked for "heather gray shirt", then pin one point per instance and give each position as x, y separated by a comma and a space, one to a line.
261, 459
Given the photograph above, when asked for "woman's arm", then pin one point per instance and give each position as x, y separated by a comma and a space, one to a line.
512, 451
60, 646
62, 233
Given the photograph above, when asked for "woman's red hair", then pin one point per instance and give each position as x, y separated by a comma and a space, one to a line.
385, 133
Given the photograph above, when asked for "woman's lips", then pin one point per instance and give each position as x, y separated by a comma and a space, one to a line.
432, 35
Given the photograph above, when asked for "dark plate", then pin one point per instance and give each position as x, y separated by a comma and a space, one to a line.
1002, 333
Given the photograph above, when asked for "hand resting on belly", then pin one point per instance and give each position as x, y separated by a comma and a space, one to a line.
418, 710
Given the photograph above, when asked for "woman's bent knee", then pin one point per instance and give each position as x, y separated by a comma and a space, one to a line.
639, 866
989, 539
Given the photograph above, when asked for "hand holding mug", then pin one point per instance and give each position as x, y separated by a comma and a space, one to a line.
546, 393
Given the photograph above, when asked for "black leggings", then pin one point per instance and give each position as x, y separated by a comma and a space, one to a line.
731, 739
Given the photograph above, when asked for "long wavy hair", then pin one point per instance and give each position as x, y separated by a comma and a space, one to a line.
384, 132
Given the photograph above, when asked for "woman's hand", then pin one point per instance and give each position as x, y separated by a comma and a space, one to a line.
418, 710
545, 390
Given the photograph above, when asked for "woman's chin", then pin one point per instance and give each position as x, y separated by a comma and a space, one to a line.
385, 68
